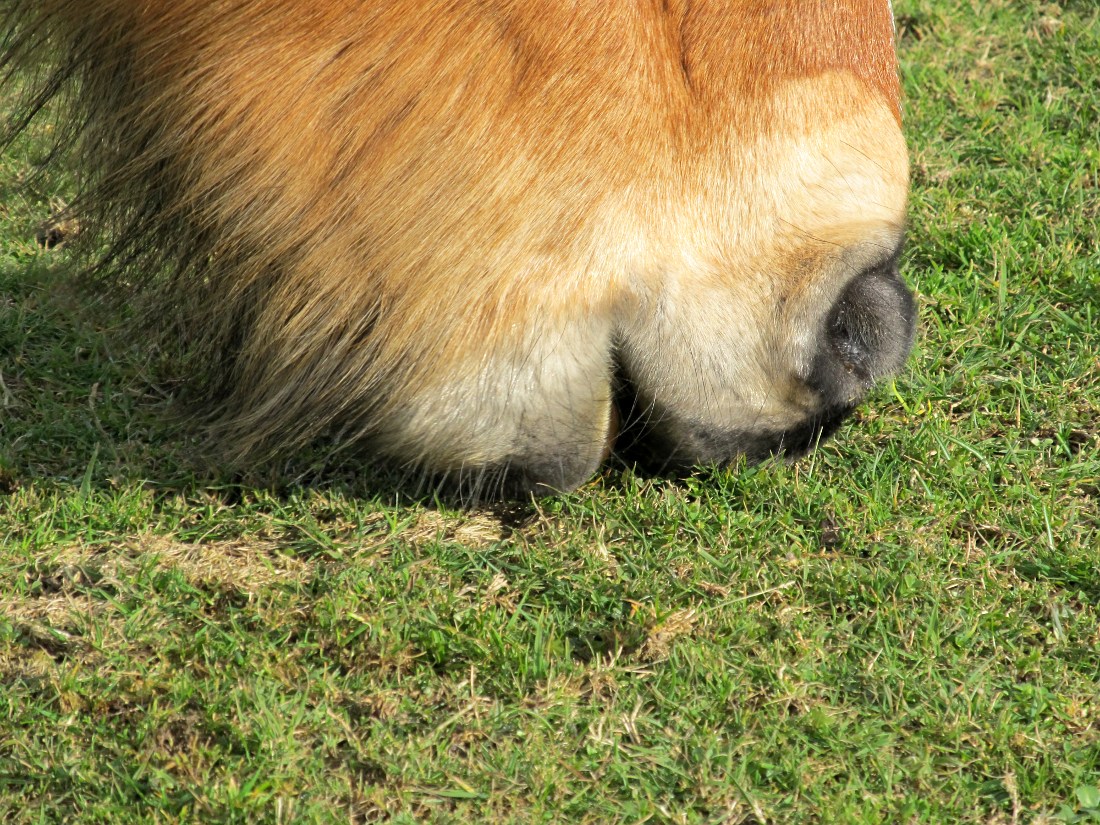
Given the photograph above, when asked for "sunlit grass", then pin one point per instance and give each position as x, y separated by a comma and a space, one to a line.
902, 628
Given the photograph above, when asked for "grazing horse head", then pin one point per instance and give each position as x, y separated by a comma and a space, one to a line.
478, 237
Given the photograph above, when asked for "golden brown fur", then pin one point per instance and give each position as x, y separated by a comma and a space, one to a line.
439, 228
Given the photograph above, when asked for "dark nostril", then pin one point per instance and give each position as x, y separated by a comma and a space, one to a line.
867, 335
870, 329
850, 337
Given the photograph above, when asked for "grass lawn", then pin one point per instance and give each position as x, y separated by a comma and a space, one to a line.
902, 628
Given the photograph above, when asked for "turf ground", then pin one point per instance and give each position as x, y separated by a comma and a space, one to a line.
902, 628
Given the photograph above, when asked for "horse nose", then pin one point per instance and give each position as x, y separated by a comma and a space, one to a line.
867, 335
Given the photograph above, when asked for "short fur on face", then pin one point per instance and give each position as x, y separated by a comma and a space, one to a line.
449, 232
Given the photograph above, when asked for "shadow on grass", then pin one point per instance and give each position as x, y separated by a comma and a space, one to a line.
1074, 574
85, 405
90, 405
